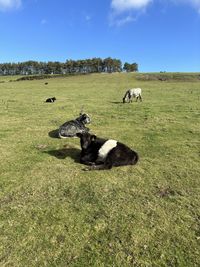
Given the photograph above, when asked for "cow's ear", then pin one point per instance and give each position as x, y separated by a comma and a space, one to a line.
93, 137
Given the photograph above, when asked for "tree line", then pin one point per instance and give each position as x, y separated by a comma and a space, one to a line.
94, 65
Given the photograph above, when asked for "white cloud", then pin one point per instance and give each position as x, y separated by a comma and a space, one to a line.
124, 5
120, 6
117, 20
9, 4
125, 11
124, 20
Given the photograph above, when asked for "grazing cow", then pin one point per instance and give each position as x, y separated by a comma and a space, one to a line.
134, 92
51, 100
71, 128
102, 154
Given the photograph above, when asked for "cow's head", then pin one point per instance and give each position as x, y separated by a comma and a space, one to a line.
86, 139
84, 118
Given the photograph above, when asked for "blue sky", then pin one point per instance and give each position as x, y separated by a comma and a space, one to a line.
159, 35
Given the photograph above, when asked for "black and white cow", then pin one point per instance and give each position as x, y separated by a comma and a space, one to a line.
51, 100
131, 93
102, 154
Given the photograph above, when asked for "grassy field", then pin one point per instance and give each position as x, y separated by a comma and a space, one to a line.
55, 214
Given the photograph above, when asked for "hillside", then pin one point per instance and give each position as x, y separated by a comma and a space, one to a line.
55, 214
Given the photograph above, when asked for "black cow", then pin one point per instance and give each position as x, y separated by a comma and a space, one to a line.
102, 154
51, 100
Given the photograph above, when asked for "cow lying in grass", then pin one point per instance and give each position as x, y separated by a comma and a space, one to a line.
131, 93
102, 154
72, 127
51, 100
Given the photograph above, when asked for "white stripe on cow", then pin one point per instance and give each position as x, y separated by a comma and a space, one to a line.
105, 149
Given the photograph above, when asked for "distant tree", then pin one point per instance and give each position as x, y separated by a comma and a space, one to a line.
93, 65
130, 67
117, 65
126, 66
134, 67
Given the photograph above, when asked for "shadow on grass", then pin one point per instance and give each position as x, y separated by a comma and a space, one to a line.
63, 153
116, 102
54, 133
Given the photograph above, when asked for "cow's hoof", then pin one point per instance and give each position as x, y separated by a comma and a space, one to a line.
90, 168
86, 169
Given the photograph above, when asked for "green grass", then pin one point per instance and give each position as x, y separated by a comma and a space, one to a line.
55, 214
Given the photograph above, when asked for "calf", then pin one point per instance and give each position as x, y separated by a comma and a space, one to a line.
102, 154
134, 92
51, 100
72, 127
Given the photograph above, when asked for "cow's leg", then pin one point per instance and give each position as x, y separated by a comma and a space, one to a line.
89, 163
87, 160
129, 97
101, 165
98, 167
